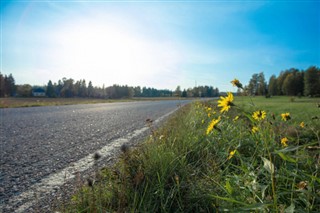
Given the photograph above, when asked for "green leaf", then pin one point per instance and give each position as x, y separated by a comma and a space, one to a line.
289, 149
286, 157
249, 116
230, 200
228, 187
256, 206
314, 178
290, 209
268, 165
294, 148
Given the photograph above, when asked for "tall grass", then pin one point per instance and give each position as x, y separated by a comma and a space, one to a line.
239, 164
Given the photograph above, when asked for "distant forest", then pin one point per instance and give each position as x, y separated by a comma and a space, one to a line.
291, 82
69, 88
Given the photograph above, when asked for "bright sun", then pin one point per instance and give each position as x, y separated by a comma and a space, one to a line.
107, 52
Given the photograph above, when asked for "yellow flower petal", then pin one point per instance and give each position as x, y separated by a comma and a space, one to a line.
302, 124
285, 116
255, 129
284, 141
231, 154
212, 125
259, 115
226, 102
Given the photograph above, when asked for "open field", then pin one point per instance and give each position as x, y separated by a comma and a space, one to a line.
203, 160
300, 108
35, 102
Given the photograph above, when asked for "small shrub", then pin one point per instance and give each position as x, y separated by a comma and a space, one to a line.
292, 99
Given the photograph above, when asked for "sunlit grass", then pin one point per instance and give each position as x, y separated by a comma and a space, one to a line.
36, 102
244, 159
300, 108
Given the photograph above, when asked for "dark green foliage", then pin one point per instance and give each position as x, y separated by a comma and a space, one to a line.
68, 88
312, 81
273, 86
257, 85
7, 86
291, 82
50, 90
24, 90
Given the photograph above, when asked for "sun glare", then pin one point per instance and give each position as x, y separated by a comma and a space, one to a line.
100, 51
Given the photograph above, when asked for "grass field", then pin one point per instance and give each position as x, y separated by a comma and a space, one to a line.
300, 108
203, 160
36, 102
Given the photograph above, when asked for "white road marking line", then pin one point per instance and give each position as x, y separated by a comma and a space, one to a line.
48, 184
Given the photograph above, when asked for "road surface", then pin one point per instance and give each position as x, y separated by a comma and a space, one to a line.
42, 148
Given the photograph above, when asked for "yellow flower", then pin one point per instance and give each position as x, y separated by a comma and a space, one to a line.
255, 129
236, 118
226, 102
285, 116
302, 124
231, 154
259, 115
284, 141
236, 83
213, 125
208, 109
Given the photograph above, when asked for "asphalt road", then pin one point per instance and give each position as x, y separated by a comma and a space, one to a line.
39, 144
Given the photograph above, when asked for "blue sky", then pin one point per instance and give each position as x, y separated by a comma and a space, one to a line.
158, 44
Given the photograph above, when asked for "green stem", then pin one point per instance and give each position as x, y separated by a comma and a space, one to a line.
273, 183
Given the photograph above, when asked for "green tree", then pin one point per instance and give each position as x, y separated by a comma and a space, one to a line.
178, 92
67, 90
24, 90
280, 80
83, 89
50, 90
288, 86
184, 93
293, 83
253, 85
7, 86
273, 85
312, 81
262, 85
2, 85
90, 90
11, 86
137, 91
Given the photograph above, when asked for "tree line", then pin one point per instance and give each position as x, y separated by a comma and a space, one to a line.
69, 88
7, 85
290, 82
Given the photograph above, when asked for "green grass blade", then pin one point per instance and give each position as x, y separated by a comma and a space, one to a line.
229, 200
286, 157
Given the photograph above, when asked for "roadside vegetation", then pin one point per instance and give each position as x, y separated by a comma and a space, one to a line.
236, 154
